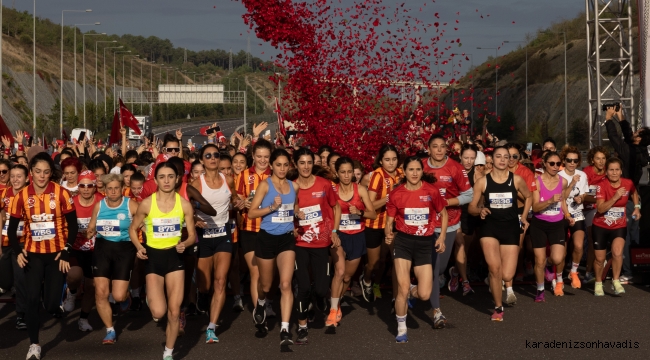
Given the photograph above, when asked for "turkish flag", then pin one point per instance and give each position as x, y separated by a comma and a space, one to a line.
4, 130
115, 130
203, 130
128, 120
283, 131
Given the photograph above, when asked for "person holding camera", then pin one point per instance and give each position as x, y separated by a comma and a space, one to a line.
632, 149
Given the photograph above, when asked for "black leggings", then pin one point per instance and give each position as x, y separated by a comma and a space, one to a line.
42, 269
319, 260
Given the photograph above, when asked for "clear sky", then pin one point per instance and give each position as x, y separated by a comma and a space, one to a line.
210, 24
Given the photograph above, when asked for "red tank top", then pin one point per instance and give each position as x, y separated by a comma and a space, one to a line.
350, 224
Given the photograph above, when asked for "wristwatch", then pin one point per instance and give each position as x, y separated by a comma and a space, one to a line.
638, 206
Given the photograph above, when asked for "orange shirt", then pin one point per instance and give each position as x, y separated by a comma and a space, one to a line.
382, 183
46, 230
249, 180
7, 195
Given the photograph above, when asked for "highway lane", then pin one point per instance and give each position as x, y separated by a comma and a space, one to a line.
191, 129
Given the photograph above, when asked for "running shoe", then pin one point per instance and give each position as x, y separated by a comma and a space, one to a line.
269, 310
182, 322
84, 325
376, 291
453, 280
302, 336
511, 299
548, 274
366, 290
125, 305
68, 303
259, 317
439, 320
540, 296
168, 357
110, 338
575, 280
402, 338
558, 289
589, 277
617, 287
497, 316
136, 304
333, 318
34, 352
21, 324
210, 337
410, 300
467, 290
625, 279
238, 304
598, 289
285, 338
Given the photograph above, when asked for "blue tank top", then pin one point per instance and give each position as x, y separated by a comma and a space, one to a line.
280, 221
113, 223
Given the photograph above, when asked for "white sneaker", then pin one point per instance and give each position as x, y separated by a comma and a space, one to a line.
34, 352
268, 309
84, 325
68, 303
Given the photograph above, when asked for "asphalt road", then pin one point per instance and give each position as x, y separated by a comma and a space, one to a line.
367, 332
191, 129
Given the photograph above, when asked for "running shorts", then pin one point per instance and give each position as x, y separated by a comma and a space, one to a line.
354, 245
506, 232
268, 246
247, 241
163, 261
374, 237
416, 249
603, 237
542, 231
83, 259
212, 245
113, 260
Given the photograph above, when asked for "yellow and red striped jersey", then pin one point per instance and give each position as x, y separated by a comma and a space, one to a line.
249, 180
382, 183
7, 196
46, 230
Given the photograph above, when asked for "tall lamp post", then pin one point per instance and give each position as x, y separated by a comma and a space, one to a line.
112, 47
61, 94
496, 79
115, 72
83, 55
75, 59
526, 46
96, 83
131, 75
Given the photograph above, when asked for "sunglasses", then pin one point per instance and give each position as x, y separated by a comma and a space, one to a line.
554, 163
209, 156
170, 149
514, 157
569, 161
86, 186
4, 171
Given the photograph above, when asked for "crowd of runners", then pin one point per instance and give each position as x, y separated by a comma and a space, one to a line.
180, 229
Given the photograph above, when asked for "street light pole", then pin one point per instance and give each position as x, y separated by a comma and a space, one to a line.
96, 83
83, 55
104, 89
525, 42
61, 91
115, 72
75, 59
566, 94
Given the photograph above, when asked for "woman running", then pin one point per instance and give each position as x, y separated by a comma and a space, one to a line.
610, 223
249, 180
163, 213
316, 239
382, 181
50, 231
81, 255
18, 176
500, 222
71, 169
196, 171
453, 183
597, 157
548, 225
114, 255
578, 187
215, 240
355, 206
98, 168
239, 164
413, 208
275, 203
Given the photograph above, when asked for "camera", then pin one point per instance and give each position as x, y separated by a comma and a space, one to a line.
616, 106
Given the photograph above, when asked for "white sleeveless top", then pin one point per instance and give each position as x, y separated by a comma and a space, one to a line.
220, 201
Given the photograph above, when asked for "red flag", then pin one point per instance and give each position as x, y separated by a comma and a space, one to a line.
4, 130
283, 131
115, 130
128, 120
44, 142
203, 130
65, 135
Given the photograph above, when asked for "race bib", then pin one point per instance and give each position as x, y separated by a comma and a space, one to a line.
578, 216
284, 214
108, 228
350, 222
42, 230
83, 223
416, 216
19, 233
592, 190
313, 215
614, 214
500, 200
553, 209
214, 232
443, 192
166, 227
